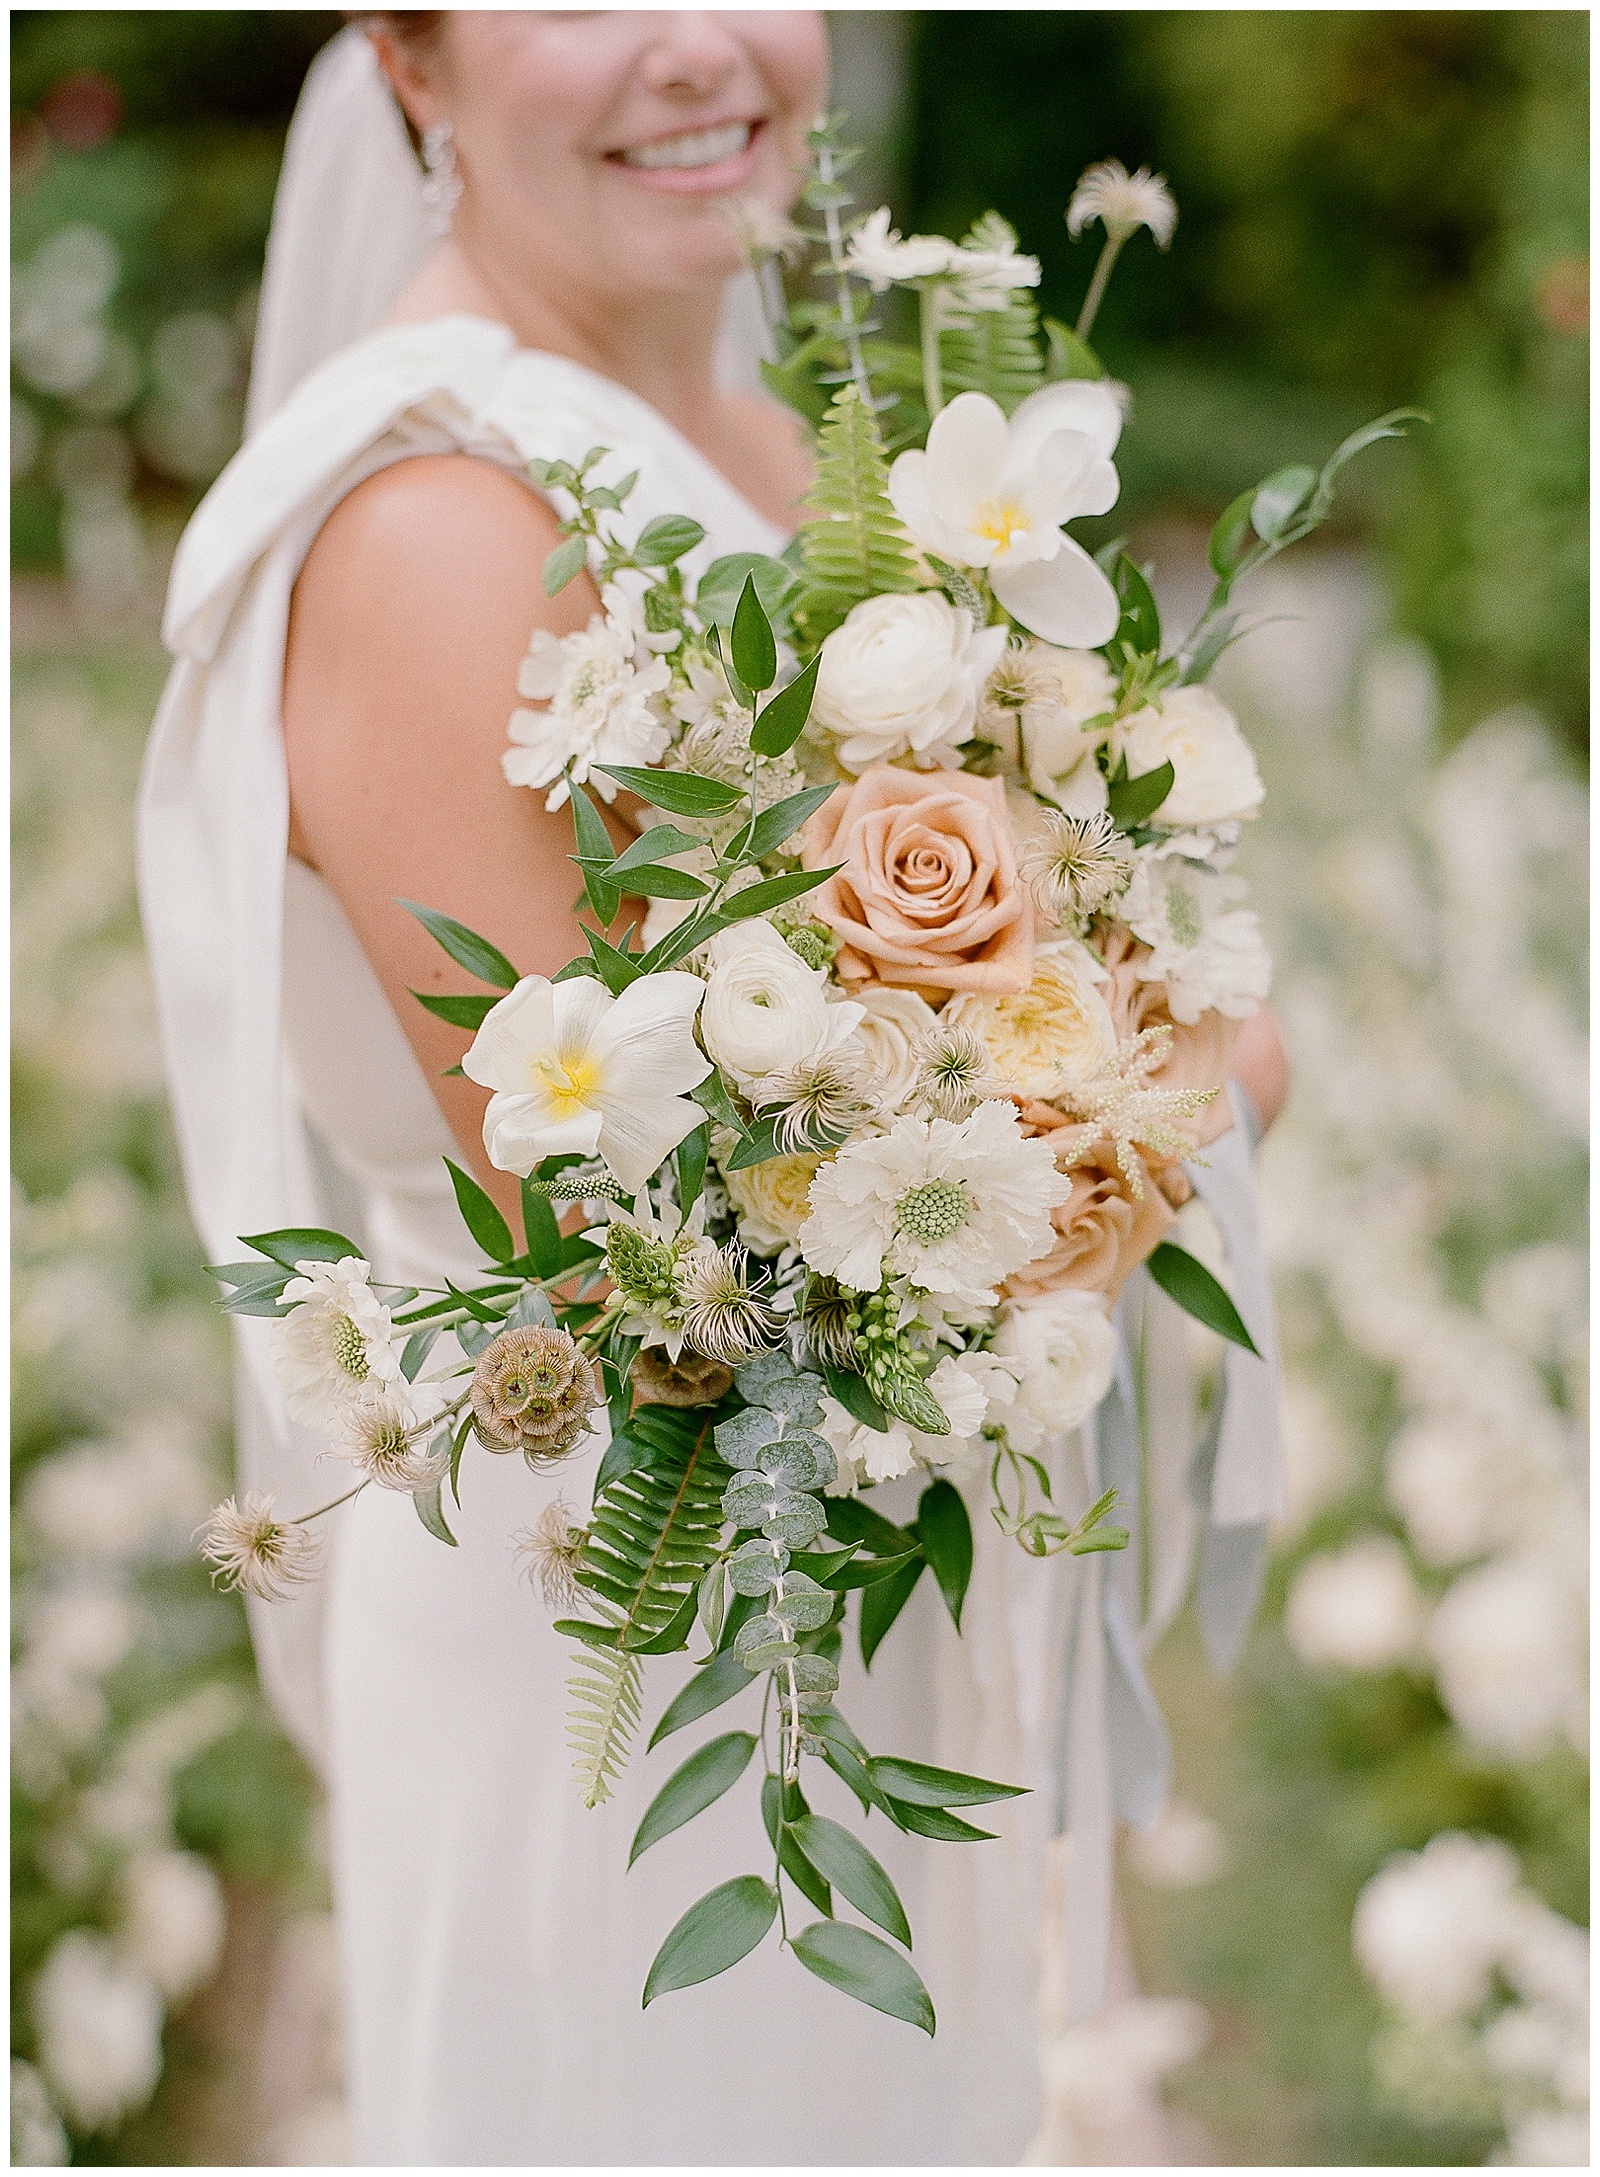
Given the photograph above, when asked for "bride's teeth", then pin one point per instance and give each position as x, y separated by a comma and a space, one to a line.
704, 147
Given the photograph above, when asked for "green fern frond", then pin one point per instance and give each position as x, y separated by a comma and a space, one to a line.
853, 545
994, 352
604, 1693
655, 1529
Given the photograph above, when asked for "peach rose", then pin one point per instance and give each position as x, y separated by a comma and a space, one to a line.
1102, 1232
928, 898
1201, 1055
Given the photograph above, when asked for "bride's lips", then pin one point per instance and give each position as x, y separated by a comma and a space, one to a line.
694, 162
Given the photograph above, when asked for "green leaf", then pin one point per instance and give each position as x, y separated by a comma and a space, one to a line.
1276, 502
1140, 626
660, 841
416, 1350
617, 970
666, 539
759, 1145
431, 1513
868, 1571
757, 899
673, 1636
480, 1216
711, 1095
1231, 535
1067, 355
710, 1771
777, 1801
883, 1603
461, 1012
1134, 801
681, 793
715, 1933
783, 721
594, 850
564, 564
301, 1243
852, 1519
584, 1629
715, 1682
853, 1395
935, 1822
854, 1873
466, 948
945, 1533
918, 1785
863, 1966
755, 650
1186, 1280
261, 1297
722, 585
692, 1153
659, 881
540, 1231
711, 1601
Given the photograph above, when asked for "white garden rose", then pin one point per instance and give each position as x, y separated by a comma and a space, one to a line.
1063, 1350
1058, 1030
772, 1200
895, 1022
901, 677
1215, 780
764, 1009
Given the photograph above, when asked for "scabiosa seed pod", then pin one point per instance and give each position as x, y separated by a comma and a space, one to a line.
533, 1391
694, 1379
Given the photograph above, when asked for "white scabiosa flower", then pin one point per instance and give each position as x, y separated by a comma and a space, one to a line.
765, 1011
574, 1068
1215, 780
1063, 1350
602, 690
337, 1349
952, 1208
1204, 946
1123, 203
879, 255
988, 268
902, 677
993, 493
256, 1554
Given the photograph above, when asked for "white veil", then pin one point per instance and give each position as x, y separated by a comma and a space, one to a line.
349, 228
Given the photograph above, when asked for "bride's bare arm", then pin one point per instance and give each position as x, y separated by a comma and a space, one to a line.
1260, 1064
411, 614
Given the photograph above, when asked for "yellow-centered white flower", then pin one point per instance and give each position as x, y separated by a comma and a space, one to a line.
993, 494
574, 1068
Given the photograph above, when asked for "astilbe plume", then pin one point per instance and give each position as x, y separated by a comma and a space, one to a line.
1120, 1109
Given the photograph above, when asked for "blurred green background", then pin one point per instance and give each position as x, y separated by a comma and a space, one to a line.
1376, 209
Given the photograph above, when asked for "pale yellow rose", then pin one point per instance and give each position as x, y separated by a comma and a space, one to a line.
772, 1201
1057, 1030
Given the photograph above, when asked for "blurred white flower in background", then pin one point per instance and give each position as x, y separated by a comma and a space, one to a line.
38, 2138
173, 1920
1508, 1645
99, 2024
1182, 1850
1430, 1928
1355, 1609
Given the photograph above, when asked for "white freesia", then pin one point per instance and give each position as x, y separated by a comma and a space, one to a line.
895, 1023
902, 676
1205, 947
878, 254
337, 1349
574, 1068
1063, 1350
1215, 780
765, 1010
952, 1207
603, 688
993, 494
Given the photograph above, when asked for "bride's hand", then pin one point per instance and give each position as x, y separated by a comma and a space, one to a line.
1261, 1066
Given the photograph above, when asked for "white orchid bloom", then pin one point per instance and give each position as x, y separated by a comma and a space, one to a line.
993, 494
574, 1068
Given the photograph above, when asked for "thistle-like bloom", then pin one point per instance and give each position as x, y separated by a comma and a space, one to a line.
825, 1314
1075, 865
252, 1552
763, 230
1123, 202
1121, 1110
722, 1317
818, 1097
574, 1068
954, 1074
533, 1392
993, 493
878, 255
391, 1450
549, 1553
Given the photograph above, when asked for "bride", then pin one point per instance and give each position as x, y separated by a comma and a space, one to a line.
349, 609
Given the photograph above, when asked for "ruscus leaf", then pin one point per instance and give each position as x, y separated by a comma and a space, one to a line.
863, 1966
921, 1786
466, 948
783, 721
301, 1243
715, 1933
755, 649
710, 1771
1185, 1279
945, 1532
681, 793
854, 1873
716, 1682
480, 1215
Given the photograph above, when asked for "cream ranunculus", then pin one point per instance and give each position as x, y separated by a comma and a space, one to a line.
1215, 780
1036, 708
902, 677
1064, 1350
764, 1009
772, 1201
1057, 1030
895, 1023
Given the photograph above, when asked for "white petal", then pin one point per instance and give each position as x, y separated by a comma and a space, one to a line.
522, 1023
908, 495
517, 1132
1051, 485
1076, 404
1067, 599
583, 1007
636, 1136
966, 453
647, 1041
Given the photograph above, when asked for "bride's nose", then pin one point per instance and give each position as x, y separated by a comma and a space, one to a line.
692, 54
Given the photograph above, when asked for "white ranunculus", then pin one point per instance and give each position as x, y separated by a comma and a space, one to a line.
902, 677
1063, 1349
99, 2021
573, 1068
1215, 780
1430, 1926
993, 494
1205, 947
895, 1023
1355, 1609
603, 689
764, 1009
173, 1920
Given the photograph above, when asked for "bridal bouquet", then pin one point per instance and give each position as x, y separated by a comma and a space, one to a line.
895, 1028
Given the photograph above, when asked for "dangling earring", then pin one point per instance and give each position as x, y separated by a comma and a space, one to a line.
441, 189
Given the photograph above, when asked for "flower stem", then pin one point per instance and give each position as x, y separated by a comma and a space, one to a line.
932, 370
306, 1518
1097, 286
841, 277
